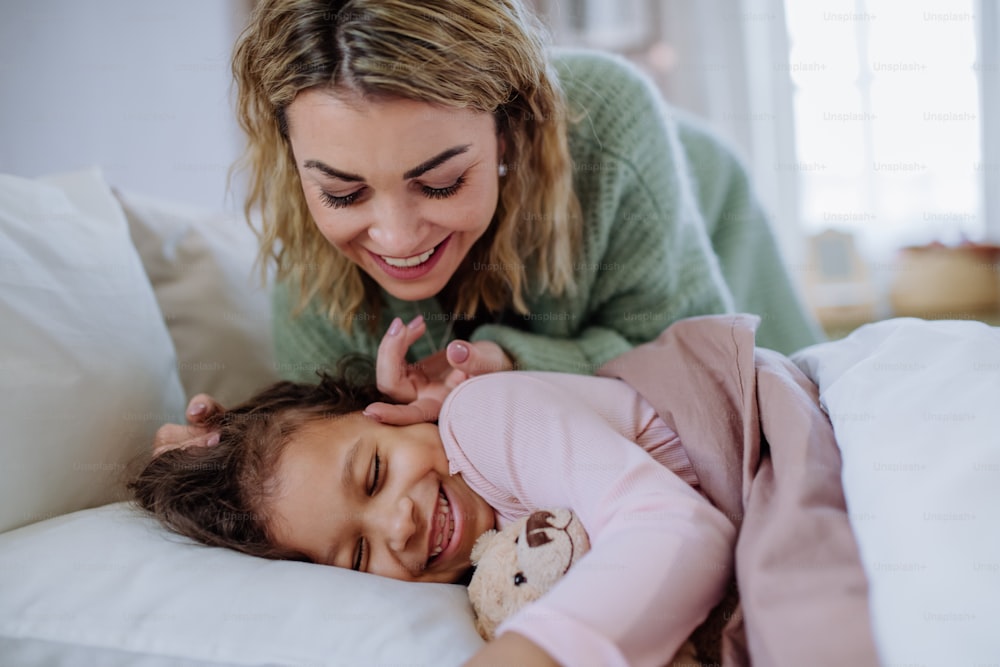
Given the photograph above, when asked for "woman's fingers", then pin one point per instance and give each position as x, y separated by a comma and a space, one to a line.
195, 433
201, 407
478, 358
392, 373
174, 436
419, 411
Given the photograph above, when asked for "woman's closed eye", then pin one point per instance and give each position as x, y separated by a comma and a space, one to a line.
335, 201
445, 192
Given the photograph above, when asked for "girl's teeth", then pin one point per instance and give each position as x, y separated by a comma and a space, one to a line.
445, 524
409, 261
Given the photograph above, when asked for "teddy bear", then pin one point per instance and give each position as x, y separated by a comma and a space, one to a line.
518, 564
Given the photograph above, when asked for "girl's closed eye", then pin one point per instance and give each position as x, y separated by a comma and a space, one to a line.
376, 473
359, 556
374, 476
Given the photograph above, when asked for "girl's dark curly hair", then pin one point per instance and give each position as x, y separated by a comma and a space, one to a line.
217, 495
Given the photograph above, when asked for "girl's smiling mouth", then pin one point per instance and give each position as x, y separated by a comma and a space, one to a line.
442, 527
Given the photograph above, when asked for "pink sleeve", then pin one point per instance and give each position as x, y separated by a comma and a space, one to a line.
661, 554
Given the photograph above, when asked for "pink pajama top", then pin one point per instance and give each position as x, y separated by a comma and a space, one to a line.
661, 554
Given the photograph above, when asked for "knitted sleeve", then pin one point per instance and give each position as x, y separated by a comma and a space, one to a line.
646, 260
744, 242
309, 342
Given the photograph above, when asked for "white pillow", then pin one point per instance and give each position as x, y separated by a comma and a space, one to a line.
87, 369
109, 586
200, 264
915, 406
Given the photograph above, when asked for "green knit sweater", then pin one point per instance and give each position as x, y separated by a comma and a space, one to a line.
657, 192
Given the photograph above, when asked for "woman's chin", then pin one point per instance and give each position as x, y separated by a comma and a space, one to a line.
425, 287
409, 291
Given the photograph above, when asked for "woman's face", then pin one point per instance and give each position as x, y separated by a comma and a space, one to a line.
353, 493
402, 188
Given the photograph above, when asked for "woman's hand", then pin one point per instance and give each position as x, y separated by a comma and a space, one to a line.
422, 387
195, 433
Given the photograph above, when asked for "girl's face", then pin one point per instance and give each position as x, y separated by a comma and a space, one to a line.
402, 188
353, 493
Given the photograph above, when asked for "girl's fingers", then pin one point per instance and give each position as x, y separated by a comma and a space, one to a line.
391, 370
435, 366
455, 378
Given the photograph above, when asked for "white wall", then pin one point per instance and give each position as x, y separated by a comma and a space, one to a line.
140, 88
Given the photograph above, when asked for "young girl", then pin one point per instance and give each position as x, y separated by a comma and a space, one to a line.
301, 473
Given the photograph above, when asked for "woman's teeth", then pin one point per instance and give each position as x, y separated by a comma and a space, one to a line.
444, 524
409, 261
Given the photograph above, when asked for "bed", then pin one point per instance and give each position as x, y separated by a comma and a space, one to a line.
114, 306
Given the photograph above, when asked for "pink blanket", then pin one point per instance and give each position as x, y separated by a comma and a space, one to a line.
765, 455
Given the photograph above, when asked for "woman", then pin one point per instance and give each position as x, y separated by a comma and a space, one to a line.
429, 161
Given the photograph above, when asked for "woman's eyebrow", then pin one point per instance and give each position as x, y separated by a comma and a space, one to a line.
420, 169
331, 172
435, 161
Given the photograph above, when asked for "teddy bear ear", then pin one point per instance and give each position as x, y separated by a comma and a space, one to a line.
482, 545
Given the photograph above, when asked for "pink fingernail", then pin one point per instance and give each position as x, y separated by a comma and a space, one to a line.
416, 322
459, 352
372, 415
396, 326
197, 409
213, 440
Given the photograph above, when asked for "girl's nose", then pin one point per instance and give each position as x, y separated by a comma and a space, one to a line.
400, 525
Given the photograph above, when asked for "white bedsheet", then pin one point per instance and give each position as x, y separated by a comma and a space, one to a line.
916, 410
109, 587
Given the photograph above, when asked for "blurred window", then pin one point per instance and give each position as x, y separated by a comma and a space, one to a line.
887, 119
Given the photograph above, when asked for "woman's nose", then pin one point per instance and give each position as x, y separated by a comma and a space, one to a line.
395, 230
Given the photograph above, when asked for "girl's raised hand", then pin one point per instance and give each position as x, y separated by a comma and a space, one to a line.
194, 433
422, 387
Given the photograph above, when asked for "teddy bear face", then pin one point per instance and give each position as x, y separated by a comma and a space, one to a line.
547, 545
518, 564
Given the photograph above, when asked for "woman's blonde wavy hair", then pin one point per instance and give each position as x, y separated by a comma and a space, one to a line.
484, 55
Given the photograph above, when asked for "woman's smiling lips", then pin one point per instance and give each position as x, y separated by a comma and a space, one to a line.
413, 267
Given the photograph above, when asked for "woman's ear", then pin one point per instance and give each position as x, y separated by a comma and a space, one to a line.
501, 147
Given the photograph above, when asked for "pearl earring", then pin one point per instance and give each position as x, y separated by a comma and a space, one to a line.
502, 169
